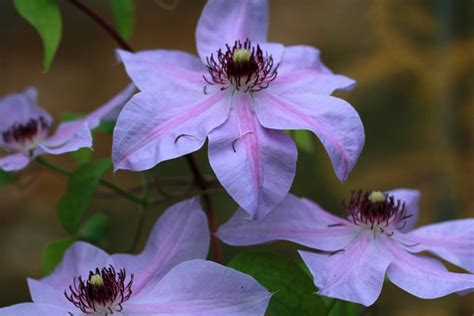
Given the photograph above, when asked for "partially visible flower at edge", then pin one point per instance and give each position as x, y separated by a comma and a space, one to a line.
375, 239
241, 94
25, 128
168, 277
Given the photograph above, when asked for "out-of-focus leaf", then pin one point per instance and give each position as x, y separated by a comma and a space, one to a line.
124, 16
45, 17
53, 253
95, 228
293, 290
80, 192
304, 140
343, 308
5, 177
82, 155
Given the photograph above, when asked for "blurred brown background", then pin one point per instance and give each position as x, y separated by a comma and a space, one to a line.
414, 63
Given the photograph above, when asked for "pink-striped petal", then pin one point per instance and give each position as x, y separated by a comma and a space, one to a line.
291, 220
180, 234
422, 276
332, 120
157, 127
199, 287
254, 164
302, 71
355, 274
224, 22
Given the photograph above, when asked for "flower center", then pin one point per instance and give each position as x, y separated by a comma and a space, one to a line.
102, 293
376, 210
25, 137
243, 66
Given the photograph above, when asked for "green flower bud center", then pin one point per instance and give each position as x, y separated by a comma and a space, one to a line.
241, 55
96, 280
376, 196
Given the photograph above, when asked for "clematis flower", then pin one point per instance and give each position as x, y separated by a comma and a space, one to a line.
25, 128
168, 278
376, 238
241, 93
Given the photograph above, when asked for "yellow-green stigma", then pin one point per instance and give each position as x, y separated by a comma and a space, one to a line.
241, 55
96, 279
376, 196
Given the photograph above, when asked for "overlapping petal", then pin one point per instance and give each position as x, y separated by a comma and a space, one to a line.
224, 22
332, 120
31, 309
199, 287
302, 71
411, 198
355, 274
254, 164
14, 162
180, 234
424, 277
452, 240
293, 220
156, 127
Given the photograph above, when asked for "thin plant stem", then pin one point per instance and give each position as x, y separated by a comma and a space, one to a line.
103, 23
130, 196
143, 208
198, 177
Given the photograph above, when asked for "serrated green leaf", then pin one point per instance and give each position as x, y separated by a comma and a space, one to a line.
95, 228
304, 140
80, 192
5, 177
45, 17
53, 253
293, 290
124, 16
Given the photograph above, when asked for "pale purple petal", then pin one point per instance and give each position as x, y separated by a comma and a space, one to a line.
19, 108
32, 309
355, 274
301, 70
14, 162
153, 128
411, 198
254, 164
78, 260
324, 218
453, 241
69, 136
333, 120
422, 276
180, 234
224, 22
199, 287
162, 69
291, 220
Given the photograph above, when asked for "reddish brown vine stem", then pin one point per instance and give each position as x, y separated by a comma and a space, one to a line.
199, 179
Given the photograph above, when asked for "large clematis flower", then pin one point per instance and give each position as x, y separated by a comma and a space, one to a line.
25, 128
376, 238
168, 278
240, 93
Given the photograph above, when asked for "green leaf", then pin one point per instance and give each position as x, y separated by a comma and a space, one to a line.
343, 308
304, 140
123, 12
95, 228
45, 17
82, 155
54, 252
293, 292
80, 192
5, 177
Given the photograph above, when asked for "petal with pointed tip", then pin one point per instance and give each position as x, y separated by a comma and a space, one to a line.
332, 120
254, 164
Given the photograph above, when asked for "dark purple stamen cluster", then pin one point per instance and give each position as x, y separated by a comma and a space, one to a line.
252, 75
106, 297
22, 133
362, 210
